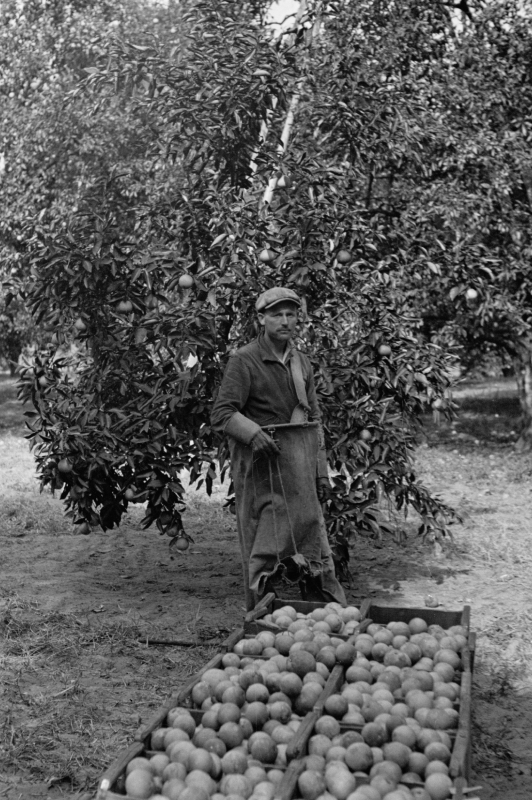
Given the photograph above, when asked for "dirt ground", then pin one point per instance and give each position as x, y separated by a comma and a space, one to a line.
78, 677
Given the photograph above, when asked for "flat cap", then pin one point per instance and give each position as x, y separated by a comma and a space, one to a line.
278, 294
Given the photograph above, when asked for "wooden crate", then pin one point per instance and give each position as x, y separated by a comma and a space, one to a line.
370, 609
370, 612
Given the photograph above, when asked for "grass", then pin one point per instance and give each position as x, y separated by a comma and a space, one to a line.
60, 675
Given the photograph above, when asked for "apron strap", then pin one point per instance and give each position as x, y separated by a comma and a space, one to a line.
300, 412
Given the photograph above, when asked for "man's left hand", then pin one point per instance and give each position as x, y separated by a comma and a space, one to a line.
323, 488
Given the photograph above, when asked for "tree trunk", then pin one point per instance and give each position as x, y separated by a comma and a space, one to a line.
523, 372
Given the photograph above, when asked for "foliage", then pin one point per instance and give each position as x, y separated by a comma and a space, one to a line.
470, 206
16, 331
59, 149
120, 419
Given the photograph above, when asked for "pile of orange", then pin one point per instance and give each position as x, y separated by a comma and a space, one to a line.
386, 734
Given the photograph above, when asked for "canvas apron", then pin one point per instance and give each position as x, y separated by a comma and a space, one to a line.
277, 508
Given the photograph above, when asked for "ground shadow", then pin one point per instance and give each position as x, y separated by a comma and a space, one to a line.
487, 413
501, 732
11, 409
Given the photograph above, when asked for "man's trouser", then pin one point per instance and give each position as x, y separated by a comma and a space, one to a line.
279, 515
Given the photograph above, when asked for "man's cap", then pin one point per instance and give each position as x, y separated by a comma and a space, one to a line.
278, 294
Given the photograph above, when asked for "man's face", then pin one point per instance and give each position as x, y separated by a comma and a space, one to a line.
280, 321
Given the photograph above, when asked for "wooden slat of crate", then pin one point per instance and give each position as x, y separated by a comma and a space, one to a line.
432, 616
116, 769
460, 765
297, 747
288, 785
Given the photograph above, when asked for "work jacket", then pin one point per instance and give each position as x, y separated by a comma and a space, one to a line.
258, 391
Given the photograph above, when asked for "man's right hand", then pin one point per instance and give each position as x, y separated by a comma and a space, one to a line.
264, 445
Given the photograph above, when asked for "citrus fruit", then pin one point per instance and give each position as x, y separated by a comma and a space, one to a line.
420, 793
319, 744
255, 775
291, 684
350, 737
139, 763
234, 761
257, 713
436, 751
353, 695
439, 719
282, 734
231, 734
200, 692
157, 739
365, 792
186, 281
257, 692
237, 785
371, 709
228, 712
314, 677
340, 783
404, 734
389, 769
264, 750
357, 673
344, 257
216, 746
328, 725
202, 780
173, 787
383, 784
264, 790
280, 711
199, 759
311, 784
175, 735
202, 736
436, 766
301, 663
140, 784
397, 752
174, 770
158, 763
234, 694
438, 786
336, 705
359, 757
327, 656
374, 734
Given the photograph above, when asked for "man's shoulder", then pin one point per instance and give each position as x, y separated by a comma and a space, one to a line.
247, 350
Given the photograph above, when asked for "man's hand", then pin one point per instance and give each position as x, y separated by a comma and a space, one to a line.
323, 488
264, 445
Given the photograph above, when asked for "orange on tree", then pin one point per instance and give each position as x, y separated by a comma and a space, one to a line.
186, 281
344, 257
266, 256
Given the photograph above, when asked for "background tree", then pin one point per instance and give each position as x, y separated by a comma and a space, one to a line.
468, 208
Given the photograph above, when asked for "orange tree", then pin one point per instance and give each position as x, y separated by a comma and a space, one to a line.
154, 294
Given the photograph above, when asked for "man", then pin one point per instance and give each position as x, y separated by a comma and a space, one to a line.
267, 406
